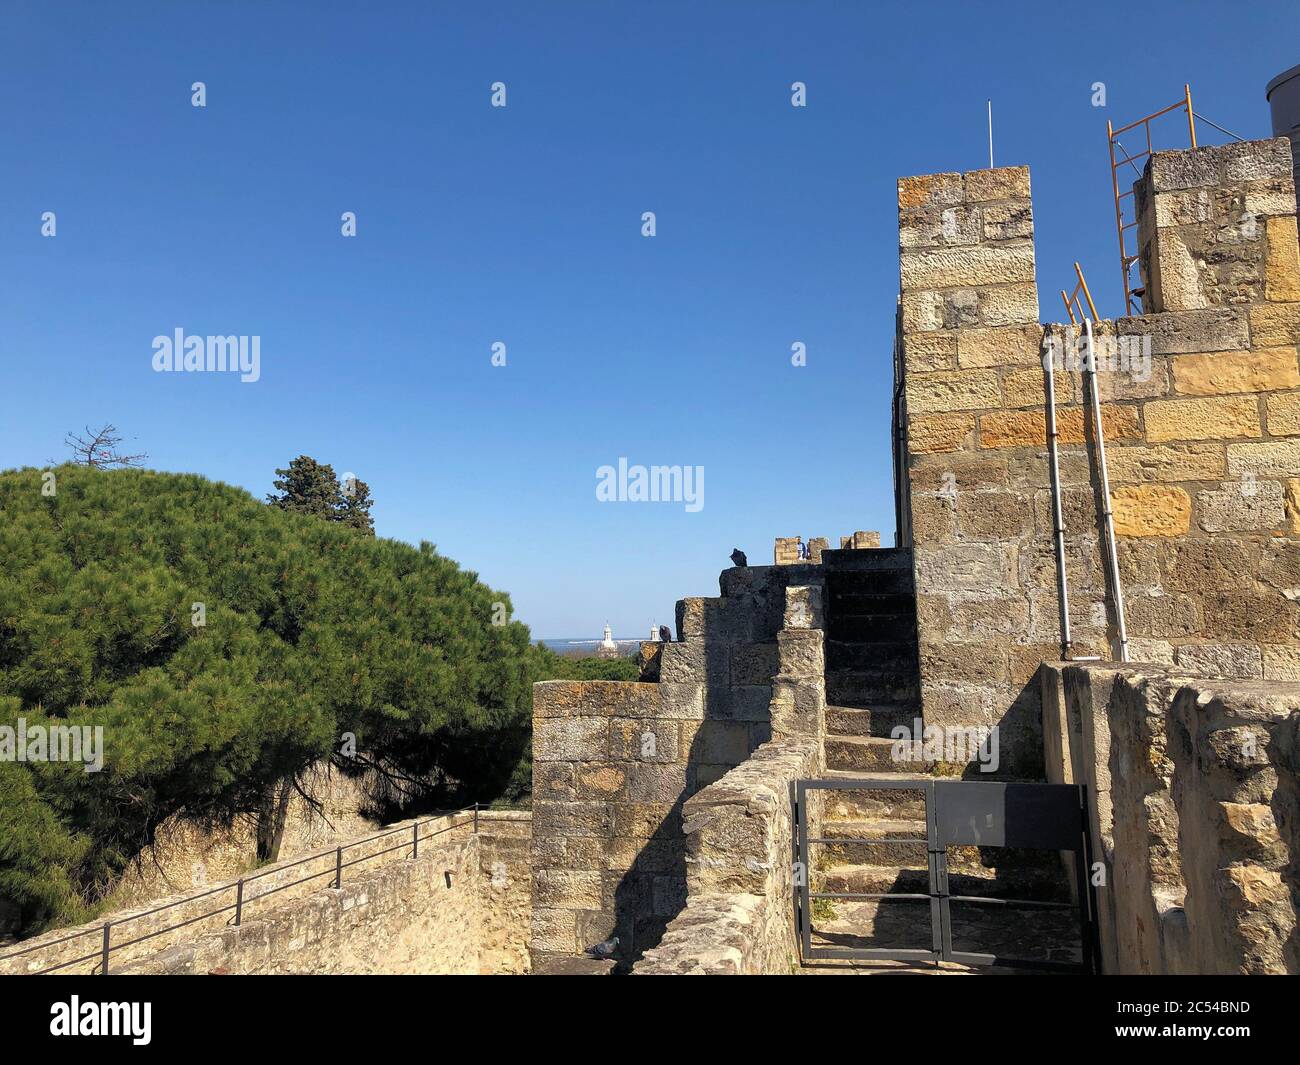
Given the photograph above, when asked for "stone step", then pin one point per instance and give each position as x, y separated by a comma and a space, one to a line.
850, 655
1006, 931
851, 601
866, 687
867, 755
978, 881
873, 582
848, 560
875, 720
864, 804
872, 629
857, 843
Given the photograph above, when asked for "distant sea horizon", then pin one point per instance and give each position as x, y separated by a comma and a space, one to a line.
579, 643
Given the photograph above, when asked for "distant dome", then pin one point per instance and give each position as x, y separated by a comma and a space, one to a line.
608, 648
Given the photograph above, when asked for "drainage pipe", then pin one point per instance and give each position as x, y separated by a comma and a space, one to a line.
1090, 370
1062, 589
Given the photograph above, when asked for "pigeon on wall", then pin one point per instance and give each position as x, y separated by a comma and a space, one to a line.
605, 949
738, 558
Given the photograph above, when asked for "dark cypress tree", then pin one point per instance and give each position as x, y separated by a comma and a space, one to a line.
307, 487
311, 487
355, 504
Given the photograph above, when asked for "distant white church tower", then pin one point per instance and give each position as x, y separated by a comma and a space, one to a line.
608, 648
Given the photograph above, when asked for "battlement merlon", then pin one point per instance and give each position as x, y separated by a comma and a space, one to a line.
786, 551
1217, 227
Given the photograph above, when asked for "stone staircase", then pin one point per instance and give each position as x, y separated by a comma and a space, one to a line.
873, 685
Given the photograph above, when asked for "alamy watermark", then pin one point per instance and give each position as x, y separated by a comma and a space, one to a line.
1128, 354
53, 743
959, 744
179, 353
651, 484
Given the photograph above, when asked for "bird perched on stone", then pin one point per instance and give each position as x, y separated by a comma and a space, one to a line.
738, 558
605, 949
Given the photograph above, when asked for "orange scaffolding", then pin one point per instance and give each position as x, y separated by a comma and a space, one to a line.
1133, 292
1073, 299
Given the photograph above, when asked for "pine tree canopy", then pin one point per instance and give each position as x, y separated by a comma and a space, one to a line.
309, 632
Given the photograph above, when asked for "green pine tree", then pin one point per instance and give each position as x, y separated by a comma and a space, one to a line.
313, 639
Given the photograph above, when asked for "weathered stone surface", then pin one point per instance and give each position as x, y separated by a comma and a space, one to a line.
1282, 414
1273, 325
1291, 507
965, 571
568, 698
1263, 370
1011, 345
1163, 615
1183, 778
923, 352
1281, 661
566, 888
739, 879
1218, 418
956, 267
1029, 428
953, 391
1282, 266
1279, 458
570, 739
929, 190
1151, 510
930, 227
1024, 388
1220, 659
935, 433
1007, 221
999, 183
1239, 506
1213, 329
588, 818
1166, 463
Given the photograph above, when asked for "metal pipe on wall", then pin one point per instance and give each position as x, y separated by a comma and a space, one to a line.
1090, 371
1062, 587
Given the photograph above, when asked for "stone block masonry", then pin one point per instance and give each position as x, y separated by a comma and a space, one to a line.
1202, 429
614, 763
739, 871
786, 551
460, 906
1193, 790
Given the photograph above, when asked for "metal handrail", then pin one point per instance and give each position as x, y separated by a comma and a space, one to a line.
105, 930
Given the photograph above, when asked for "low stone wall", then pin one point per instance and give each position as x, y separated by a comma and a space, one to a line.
738, 918
461, 906
187, 858
1194, 804
613, 762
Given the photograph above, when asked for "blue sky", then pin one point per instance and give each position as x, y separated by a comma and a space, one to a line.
522, 225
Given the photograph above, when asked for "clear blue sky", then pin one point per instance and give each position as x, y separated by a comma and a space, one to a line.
522, 225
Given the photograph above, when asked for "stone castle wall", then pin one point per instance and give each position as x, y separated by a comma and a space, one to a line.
1202, 442
738, 918
1194, 807
615, 763
462, 905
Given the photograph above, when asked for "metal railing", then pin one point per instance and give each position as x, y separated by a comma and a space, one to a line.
412, 839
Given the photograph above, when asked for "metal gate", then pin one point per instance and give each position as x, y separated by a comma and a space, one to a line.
959, 812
